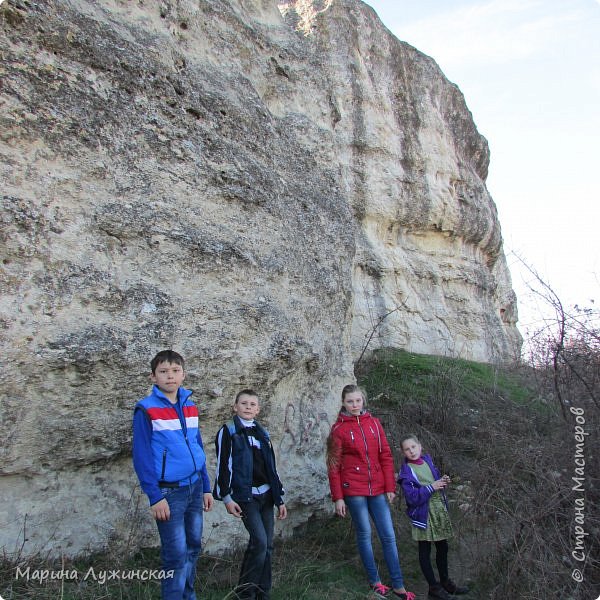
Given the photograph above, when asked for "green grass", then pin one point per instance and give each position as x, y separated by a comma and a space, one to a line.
319, 562
397, 376
94, 578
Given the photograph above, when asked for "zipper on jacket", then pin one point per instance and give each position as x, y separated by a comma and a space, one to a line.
184, 431
164, 465
185, 437
191, 454
366, 455
378, 436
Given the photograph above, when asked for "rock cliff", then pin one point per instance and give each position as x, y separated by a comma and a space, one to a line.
254, 185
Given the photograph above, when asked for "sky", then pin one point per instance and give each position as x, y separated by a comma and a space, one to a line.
530, 74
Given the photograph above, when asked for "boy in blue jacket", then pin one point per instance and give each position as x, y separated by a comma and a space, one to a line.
169, 459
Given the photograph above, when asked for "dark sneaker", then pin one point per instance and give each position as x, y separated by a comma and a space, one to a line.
454, 589
381, 591
437, 591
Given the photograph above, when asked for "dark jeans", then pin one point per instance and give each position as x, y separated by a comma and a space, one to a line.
180, 540
255, 575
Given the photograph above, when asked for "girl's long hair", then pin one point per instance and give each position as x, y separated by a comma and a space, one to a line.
334, 452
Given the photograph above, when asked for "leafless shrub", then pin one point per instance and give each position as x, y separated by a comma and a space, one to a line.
564, 348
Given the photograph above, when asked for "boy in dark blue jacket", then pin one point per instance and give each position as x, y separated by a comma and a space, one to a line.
169, 459
248, 484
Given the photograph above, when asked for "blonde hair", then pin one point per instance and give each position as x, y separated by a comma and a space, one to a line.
333, 454
351, 388
409, 436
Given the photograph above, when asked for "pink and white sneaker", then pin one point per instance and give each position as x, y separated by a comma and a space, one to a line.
381, 591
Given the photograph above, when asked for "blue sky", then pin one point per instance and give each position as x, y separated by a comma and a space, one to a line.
530, 73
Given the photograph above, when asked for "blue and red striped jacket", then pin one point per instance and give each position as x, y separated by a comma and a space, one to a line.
167, 445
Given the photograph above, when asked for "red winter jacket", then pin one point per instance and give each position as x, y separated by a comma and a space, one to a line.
362, 460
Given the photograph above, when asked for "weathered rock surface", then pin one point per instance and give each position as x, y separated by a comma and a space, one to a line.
255, 186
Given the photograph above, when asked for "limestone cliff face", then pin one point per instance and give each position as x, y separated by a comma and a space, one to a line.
253, 185
413, 169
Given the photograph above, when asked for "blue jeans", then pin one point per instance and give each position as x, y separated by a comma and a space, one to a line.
255, 574
181, 540
377, 507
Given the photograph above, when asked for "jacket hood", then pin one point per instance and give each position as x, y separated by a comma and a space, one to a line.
344, 417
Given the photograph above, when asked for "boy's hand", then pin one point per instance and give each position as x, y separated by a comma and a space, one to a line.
161, 510
233, 508
208, 501
282, 512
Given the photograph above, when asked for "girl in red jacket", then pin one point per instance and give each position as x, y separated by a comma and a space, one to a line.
361, 477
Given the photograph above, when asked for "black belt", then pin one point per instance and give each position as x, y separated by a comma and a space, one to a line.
168, 484
175, 484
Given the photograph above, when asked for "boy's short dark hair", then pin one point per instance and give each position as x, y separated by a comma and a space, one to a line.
169, 356
246, 392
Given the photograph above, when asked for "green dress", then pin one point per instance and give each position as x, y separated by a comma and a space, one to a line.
439, 526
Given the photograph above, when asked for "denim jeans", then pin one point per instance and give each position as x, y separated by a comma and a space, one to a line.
377, 507
255, 574
181, 539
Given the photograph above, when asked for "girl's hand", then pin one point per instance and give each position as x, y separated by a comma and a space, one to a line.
340, 508
439, 484
390, 496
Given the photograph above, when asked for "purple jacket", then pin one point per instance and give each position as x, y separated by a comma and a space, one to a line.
416, 494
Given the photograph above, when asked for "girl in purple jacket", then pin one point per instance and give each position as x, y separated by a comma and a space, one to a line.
427, 507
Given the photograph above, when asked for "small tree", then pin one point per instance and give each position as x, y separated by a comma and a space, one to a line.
565, 350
